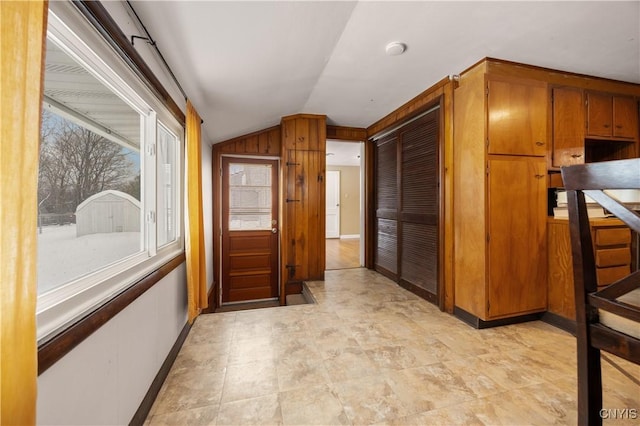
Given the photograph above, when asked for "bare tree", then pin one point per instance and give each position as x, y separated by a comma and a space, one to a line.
76, 163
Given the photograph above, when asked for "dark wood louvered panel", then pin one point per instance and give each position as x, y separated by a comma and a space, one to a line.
407, 205
419, 262
386, 174
419, 175
387, 245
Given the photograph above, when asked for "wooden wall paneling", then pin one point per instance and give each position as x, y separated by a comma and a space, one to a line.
263, 142
217, 225
370, 206
356, 134
304, 140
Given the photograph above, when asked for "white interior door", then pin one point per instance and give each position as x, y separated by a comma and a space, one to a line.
333, 203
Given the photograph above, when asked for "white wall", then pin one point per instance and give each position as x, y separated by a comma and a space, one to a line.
104, 379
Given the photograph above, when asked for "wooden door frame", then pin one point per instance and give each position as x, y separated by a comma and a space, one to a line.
215, 298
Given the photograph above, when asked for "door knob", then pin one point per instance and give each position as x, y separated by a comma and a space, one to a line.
274, 230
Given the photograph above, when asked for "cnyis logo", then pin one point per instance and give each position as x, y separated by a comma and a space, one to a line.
619, 413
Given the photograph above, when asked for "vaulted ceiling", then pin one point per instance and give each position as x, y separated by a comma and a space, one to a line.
246, 64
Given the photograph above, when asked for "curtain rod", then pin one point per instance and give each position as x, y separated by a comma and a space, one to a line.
152, 42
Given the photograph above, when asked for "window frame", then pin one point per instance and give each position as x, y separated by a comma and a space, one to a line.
63, 306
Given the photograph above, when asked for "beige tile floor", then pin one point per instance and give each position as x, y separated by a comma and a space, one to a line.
370, 352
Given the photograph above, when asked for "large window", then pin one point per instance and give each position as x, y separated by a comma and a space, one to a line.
109, 189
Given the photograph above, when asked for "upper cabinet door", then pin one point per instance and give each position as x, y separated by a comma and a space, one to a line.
517, 116
625, 117
612, 116
599, 114
568, 126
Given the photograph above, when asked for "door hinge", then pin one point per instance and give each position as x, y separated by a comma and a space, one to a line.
151, 216
220, 171
488, 238
320, 178
487, 142
151, 149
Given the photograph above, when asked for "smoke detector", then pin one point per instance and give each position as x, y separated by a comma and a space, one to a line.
395, 48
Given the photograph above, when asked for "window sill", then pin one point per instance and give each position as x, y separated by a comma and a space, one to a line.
62, 343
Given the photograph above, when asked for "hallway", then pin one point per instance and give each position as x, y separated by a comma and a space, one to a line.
370, 352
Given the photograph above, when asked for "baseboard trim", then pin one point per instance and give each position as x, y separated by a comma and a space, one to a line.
350, 236
419, 291
147, 402
212, 298
476, 322
559, 321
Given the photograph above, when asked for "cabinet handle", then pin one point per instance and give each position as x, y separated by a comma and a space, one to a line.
538, 176
606, 126
576, 155
618, 126
539, 143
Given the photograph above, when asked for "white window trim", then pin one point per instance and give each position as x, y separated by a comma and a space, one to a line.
65, 305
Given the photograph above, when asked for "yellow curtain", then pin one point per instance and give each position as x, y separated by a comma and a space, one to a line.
23, 30
196, 267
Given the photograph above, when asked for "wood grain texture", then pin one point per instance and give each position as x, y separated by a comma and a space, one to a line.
517, 235
342, 253
517, 116
469, 192
560, 270
568, 126
625, 117
263, 142
356, 134
304, 144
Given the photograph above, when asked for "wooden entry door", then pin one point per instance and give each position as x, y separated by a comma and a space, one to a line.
249, 229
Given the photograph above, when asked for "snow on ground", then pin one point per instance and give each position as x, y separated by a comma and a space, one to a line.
63, 257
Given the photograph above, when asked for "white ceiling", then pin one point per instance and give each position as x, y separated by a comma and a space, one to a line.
246, 64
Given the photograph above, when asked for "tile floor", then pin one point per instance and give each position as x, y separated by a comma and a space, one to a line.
370, 352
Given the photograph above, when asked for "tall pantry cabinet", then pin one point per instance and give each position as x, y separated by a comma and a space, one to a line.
500, 142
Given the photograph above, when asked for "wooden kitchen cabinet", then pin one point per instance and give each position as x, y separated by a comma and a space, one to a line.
568, 126
516, 235
500, 193
611, 116
517, 116
612, 251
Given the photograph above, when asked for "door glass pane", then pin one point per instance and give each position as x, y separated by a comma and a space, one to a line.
249, 197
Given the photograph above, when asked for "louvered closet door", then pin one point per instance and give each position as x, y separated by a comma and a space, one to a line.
386, 247
419, 204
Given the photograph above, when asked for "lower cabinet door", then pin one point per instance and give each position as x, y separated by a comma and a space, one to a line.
517, 236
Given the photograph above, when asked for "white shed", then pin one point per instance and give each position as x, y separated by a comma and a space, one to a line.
108, 211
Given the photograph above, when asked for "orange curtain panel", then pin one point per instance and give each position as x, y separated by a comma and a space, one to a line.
196, 272
23, 31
